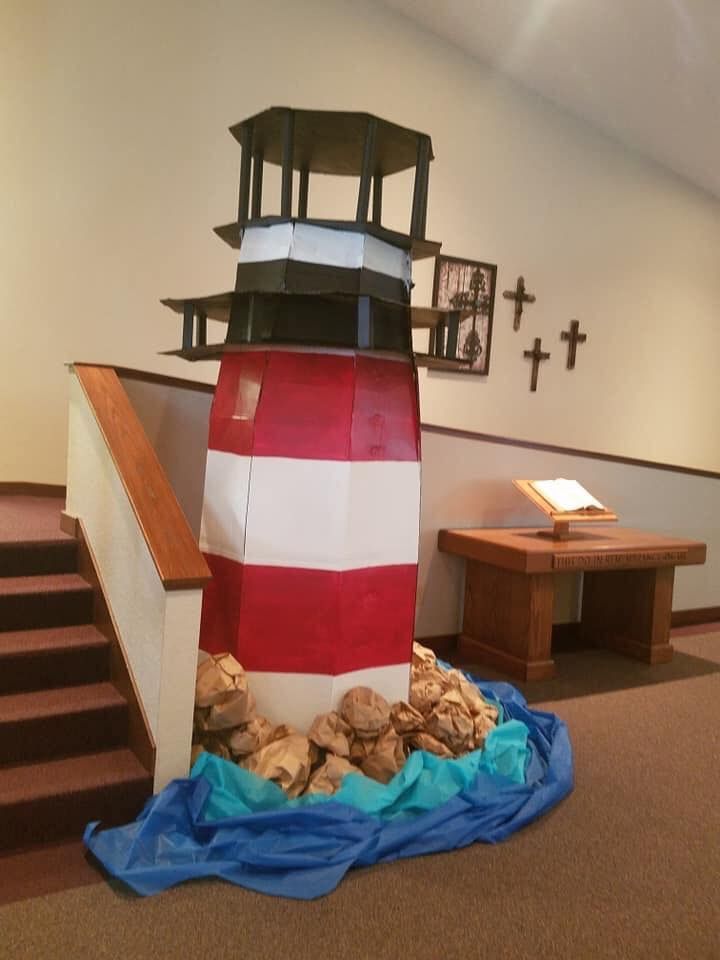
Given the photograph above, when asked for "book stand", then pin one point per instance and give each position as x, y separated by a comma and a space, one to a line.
561, 518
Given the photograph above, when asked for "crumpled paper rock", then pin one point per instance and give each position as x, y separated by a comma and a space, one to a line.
426, 688
451, 723
332, 733
366, 711
237, 709
446, 715
405, 718
422, 657
217, 678
200, 718
387, 757
328, 778
361, 748
474, 700
216, 745
283, 730
250, 738
286, 761
426, 741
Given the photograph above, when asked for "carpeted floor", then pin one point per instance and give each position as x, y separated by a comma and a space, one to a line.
30, 518
627, 867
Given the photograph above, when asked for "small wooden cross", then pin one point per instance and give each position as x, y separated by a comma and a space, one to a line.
520, 297
537, 355
574, 337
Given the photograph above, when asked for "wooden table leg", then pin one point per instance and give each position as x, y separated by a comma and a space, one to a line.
507, 621
629, 611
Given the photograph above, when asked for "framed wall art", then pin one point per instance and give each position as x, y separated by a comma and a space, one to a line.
469, 286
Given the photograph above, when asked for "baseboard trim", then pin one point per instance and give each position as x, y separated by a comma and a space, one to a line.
13, 488
444, 645
566, 637
691, 618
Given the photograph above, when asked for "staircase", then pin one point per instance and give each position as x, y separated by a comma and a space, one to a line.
64, 754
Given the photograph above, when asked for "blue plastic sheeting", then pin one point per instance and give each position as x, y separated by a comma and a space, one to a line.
212, 825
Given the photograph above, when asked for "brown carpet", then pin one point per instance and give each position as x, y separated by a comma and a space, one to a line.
627, 867
31, 518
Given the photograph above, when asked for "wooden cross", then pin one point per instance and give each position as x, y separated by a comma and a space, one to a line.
537, 355
520, 297
574, 337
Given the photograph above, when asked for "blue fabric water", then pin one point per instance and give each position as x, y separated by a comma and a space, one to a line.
226, 822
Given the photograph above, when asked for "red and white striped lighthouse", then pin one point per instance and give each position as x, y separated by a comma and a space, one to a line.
310, 525
312, 489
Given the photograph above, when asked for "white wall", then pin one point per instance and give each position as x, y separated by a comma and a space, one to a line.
116, 163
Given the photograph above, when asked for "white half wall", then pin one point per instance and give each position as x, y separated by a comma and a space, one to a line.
158, 629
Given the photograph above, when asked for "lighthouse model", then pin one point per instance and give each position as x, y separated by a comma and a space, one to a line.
312, 488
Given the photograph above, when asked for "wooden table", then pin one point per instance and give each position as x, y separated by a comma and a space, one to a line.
626, 601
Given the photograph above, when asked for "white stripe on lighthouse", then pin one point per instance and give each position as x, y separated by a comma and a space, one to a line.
225, 503
332, 515
333, 248
297, 698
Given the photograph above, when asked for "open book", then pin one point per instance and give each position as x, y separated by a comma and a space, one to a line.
567, 496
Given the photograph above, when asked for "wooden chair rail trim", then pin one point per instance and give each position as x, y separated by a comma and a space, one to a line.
177, 557
569, 451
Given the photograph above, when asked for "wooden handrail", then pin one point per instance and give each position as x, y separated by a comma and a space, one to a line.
174, 550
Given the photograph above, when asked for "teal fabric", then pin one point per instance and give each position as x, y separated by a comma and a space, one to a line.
424, 783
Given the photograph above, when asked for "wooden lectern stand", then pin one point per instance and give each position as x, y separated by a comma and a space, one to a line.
509, 586
561, 518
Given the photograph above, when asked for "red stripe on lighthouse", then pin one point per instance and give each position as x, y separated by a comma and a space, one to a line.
386, 420
315, 406
312, 621
306, 406
232, 419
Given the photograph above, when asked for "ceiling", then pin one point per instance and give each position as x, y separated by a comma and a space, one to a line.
647, 72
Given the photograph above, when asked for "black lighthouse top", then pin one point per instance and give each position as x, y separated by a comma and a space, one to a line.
331, 142
300, 283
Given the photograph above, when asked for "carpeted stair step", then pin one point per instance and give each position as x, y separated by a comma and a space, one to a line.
33, 558
52, 600
48, 801
52, 657
62, 722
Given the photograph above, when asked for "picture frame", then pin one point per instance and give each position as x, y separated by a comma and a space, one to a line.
468, 285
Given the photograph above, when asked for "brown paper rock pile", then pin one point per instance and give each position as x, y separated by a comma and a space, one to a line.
446, 715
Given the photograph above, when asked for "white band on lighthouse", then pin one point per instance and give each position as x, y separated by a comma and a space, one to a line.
308, 243
273, 692
315, 514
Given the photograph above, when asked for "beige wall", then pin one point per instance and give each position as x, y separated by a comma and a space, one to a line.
116, 163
